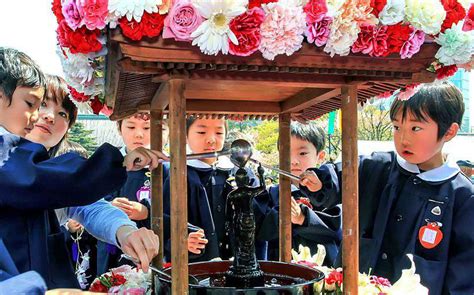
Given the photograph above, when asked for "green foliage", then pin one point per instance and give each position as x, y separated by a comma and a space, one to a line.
374, 124
242, 126
267, 137
82, 136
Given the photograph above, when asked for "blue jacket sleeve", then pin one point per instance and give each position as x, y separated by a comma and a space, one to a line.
101, 219
29, 282
30, 180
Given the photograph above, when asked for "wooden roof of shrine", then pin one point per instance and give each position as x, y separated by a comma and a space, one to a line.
306, 84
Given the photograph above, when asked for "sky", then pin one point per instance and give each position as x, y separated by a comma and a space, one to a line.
30, 26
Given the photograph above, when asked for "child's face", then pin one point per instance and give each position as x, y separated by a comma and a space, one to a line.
52, 124
417, 141
20, 116
206, 135
135, 133
303, 155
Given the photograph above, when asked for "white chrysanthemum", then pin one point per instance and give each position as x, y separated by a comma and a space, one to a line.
133, 9
343, 34
214, 33
409, 283
457, 46
393, 12
425, 15
334, 6
466, 3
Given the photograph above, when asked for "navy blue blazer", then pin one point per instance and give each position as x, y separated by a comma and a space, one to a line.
395, 201
321, 226
31, 183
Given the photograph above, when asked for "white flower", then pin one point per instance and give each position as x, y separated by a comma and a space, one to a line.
343, 34
425, 15
466, 3
133, 9
393, 12
334, 6
409, 282
457, 46
214, 33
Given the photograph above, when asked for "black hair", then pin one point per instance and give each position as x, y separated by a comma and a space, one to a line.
191, 119
442, 102
18, 70
309, 132
67, 146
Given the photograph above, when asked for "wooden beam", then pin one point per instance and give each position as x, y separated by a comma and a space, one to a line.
157, 223
232, 106
179, 194
161, 98
112, 76
350, 191
307, 98
284, 189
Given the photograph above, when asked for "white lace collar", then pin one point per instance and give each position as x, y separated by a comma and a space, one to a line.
222, 162
441, 173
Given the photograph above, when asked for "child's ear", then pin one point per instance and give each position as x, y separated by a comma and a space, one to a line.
451, 132
321, 157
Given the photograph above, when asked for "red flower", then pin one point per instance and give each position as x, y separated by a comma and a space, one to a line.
78, 96
379, 281
117, 280
397, 36
446, 72
335, 277
246, 28
258, 3
469, 20
98, 287
150, 26
454, 13
372, 40
307, 263
57, 10
96, 105
377, 6
79, 41
315, 11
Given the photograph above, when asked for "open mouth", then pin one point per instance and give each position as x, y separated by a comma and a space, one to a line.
407, 153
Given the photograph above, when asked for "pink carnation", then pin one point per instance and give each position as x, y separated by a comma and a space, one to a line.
315, 11
71, 14
409, 91
282, 30
372, 40
182, 19
413, 44
94, 13
318, 32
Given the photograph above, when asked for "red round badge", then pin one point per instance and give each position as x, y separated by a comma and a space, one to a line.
430, 235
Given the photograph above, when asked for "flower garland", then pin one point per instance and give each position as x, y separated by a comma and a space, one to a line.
377, 28
123, 280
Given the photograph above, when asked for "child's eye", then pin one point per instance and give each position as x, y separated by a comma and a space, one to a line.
416, 128
220, 133
303, 153
131, 128
146, 128
29, 104
395, 128
63, 114
201, 132
43, 104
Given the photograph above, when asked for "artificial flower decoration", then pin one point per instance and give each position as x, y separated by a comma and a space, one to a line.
132, 9
409, 282
425, 15
80, 40
258, 3
393, 12
372, 40
377, 6
315, 10
246, 28
71, 14
469, 20
318, 22
457, 46
164, 7
213, 35
181, 21
398, 35
93, 13
413, 44
282, 29
446, 72
150, 26
455, 12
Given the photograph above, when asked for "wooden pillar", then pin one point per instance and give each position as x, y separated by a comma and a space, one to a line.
350, 190
285, 190
157, 185
179, 194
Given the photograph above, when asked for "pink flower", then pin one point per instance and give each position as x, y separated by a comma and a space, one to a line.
413, 44
182, 19
282, 30
372, 40
71, 14
318, 32
379, 281
409, 91
94, 13
469, 20
315, 11
246, 28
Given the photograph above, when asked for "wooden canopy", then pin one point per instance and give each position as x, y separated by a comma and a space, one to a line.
175, 79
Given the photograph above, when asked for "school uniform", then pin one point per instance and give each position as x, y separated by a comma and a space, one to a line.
396, 202
208, 187
31, 184
321, 226
137, 188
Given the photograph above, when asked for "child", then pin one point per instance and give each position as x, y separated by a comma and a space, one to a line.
312, 224
208, 187
31, 183
411, 201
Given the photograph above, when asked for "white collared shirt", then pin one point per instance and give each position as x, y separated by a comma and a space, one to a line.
441, 173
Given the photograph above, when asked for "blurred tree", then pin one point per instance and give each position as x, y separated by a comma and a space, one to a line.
82, 136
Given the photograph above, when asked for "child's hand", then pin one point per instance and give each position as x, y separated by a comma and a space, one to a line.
297, 216
311, 181
141, 157
196, 241
123, 204
73, 226
142, 244
138, 212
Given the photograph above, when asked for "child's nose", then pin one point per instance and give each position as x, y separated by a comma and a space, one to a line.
139, 134
34, 116
211, 139
48, 117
